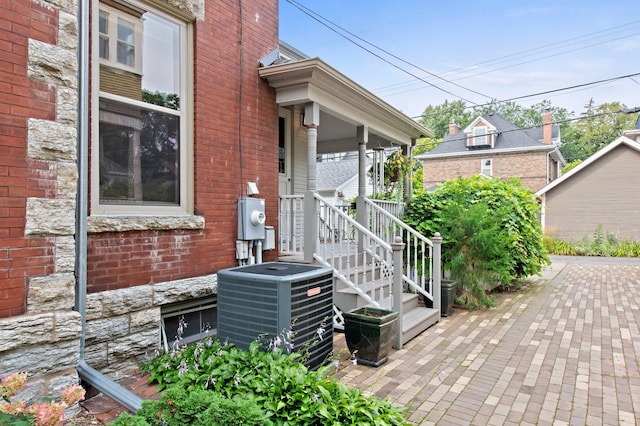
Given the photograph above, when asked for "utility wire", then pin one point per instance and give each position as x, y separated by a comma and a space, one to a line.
332, 26
630, 76
526, 62
545, 47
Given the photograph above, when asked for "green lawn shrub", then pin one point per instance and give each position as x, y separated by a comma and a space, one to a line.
197, 407
491, 233
600, 244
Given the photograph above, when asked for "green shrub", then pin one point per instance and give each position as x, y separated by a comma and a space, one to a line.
490, 229
126, 419
599, 245
560, 247
197, 407
626, 248
279, 384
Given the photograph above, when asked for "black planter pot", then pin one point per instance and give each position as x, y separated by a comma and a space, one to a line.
370, 333
447, 297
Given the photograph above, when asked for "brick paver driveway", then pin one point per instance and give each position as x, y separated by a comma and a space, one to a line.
566, 351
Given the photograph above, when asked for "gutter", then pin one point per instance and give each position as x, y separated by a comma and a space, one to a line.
86, 373
484, 152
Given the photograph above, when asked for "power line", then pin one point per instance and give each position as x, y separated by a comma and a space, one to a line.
613, 30
630, 76
330, 25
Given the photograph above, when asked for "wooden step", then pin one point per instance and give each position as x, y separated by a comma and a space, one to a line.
417, 320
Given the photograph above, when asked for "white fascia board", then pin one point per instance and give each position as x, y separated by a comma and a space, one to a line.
489, 126
485, 152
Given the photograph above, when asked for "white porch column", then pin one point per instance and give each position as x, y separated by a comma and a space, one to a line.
311, 122
362, 135
408, 180
363, 139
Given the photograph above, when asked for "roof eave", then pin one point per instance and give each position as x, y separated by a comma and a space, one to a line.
479, 152
613, 145
316, 72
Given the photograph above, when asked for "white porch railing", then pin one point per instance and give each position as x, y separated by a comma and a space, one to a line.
362, 261
347, 246
291, 225
392, 207
418, 253
376, 261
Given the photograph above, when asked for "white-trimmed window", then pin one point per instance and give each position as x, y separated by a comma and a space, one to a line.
188, 322
486, 167
141, 126
480, 135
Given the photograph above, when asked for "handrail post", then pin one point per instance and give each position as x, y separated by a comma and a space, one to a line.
398, 247
437, 270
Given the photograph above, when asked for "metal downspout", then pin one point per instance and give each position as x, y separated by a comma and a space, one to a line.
88, 374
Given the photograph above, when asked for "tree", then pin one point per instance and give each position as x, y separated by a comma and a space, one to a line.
492, 234
599, 126
525, 117
437, 118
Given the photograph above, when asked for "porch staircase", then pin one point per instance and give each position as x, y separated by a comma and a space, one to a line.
385, 264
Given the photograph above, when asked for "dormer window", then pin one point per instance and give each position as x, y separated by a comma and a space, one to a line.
480, 136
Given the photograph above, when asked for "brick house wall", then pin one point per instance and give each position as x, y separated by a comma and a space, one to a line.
38, 103
133, 271
530, 167
119, 260
134, 266
23, 99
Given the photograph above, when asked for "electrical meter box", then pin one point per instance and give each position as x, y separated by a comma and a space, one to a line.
251, 219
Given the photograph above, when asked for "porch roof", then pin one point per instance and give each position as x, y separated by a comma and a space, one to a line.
344, 104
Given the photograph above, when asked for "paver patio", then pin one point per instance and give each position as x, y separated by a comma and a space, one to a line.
566, 351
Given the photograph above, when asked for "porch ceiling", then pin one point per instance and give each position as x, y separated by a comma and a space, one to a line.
344, 105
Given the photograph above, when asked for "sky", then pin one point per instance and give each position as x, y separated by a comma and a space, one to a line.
475, 50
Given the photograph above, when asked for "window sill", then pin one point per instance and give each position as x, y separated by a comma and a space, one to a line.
122, 223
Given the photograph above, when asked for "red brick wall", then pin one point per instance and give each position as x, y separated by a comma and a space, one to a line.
20, 99
235, 142
530, 167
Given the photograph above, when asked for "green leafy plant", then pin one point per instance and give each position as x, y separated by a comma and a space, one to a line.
279, 384
600, 244
491, 233
198, 407
397, 166
560, 247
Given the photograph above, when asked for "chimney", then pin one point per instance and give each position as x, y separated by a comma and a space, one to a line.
453, 127
547, 127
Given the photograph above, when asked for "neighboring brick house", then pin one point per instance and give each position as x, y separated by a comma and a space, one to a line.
179, 122
495, 147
